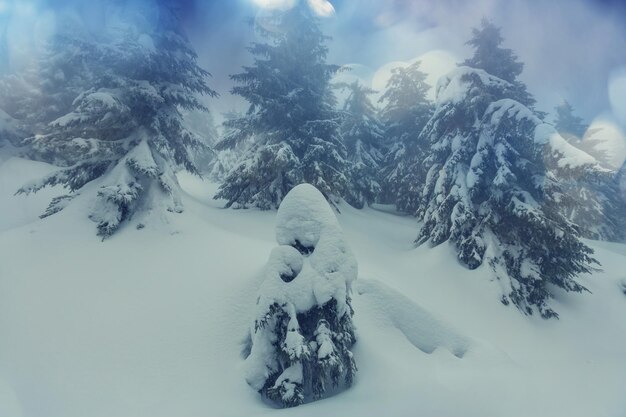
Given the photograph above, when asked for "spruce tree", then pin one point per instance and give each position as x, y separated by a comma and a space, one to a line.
125, 130
495, 180
291, 119
497, 61
570, 126
303, 331
406, 109
363, 136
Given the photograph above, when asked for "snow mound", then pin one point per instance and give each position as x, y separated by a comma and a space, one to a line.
421, 328
302, 216
303, 306
313, 262
566, 155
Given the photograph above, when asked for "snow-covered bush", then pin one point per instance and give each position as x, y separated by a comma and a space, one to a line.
303, 329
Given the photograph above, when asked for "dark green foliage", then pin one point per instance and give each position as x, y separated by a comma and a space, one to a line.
320, 327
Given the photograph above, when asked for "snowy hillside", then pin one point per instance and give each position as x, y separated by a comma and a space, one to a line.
152, 322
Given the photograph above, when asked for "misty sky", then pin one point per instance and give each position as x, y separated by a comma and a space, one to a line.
572, 49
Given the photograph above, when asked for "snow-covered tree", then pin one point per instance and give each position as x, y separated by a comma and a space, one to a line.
126, 130
494, 184
363, 136
406, 109
303, 331
291, 118
570, 126
497, 61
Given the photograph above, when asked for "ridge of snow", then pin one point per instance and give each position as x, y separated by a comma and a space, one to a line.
455, 85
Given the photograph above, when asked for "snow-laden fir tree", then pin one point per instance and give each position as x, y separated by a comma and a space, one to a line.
494, 183
291, 118
126, 130
303, 331
570, 126
406, 109
497, 61
363, 136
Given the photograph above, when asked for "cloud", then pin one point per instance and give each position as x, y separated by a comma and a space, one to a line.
275, 4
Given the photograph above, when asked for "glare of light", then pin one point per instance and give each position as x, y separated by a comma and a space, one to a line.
609, 139
617, 94
435, 64
322, 7
275, 4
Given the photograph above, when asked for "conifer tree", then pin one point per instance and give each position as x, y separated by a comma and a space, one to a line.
125, 130
570, 126
495, 182
363, 136
406, 109
291, 118
497, 61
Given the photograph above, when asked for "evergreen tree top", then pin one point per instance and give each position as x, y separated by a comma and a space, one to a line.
358, 101
567, 123
406, 86
490, 56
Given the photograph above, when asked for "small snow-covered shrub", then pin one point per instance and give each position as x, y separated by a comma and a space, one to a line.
303, 331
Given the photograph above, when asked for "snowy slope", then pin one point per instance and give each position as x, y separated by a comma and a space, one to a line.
151, 322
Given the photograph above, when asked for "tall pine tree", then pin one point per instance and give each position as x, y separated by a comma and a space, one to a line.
406, 109
291, 118
126, 130
363, 136
494, 180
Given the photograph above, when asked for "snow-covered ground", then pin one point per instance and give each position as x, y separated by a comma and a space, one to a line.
151, 322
